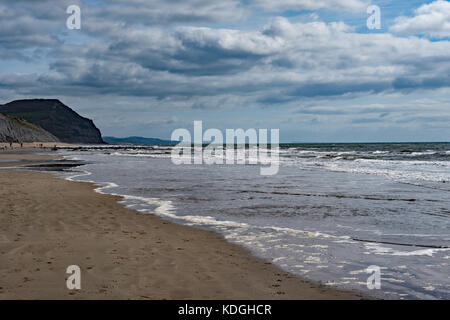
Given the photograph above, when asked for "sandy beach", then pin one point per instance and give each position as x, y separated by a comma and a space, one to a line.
48, 223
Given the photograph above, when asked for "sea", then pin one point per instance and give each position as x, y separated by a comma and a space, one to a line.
343, 215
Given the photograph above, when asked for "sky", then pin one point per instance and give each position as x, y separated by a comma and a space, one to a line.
311, 68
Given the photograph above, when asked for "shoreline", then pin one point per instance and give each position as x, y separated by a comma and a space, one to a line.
122, 254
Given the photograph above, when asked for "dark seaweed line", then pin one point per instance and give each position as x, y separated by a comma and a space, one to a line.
330, 196
402, 244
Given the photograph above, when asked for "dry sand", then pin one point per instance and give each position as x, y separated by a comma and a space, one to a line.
48, 223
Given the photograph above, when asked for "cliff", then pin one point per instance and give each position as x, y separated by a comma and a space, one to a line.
57, 118
17, 130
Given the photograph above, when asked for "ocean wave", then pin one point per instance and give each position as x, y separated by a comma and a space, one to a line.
166, 209
379, 249
397, 170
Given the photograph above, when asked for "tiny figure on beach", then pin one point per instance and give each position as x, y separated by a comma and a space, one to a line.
11, 145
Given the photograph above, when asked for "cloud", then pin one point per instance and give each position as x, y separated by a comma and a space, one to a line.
280, 63
283, 5
177, 12
163, 12
172, 56
20, 29
430, 19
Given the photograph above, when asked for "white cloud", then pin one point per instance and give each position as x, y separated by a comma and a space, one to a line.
430, 19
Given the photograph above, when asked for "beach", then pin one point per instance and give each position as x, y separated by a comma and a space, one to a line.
48, 223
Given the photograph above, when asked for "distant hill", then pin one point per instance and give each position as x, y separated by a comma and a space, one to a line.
138, 141
55, 117
17, 130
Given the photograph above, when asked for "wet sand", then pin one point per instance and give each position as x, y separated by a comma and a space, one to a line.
48, 223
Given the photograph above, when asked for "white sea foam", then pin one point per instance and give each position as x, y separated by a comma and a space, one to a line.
408, 171
376, 248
